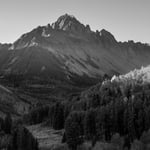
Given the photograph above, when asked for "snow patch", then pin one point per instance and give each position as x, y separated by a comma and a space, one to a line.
12, 47
33, 42
44, 34
113, 78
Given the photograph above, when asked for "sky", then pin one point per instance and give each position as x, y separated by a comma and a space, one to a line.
125, 19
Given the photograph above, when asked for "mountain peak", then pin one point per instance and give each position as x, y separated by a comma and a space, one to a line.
107, 36
105, 33
65, 16
65, 20
69, 23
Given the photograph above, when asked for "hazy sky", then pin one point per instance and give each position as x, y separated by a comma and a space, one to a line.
125, 19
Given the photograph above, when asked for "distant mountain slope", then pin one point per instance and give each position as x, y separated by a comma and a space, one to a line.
68, 49
11, 102
19, 96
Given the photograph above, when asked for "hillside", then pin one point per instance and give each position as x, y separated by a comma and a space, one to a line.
12, 102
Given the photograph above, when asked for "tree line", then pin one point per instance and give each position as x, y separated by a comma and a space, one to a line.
14, 136
100, 113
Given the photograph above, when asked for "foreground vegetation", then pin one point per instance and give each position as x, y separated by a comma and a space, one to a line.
14, 136
109, 113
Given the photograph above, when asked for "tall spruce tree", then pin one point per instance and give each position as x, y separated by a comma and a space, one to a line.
8, 124
74, 130
90, 125
58, 119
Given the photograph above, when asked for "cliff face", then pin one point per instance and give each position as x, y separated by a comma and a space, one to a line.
68, 48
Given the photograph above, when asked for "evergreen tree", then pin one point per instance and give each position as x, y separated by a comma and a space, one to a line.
22, 139
7, 124
1, 124
64, 138
100, 128
74, 130
90, 124
58, 119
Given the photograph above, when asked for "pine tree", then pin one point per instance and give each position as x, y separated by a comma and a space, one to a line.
100, 129
14, 140
64, 138
58, 120
90, 124
7, 124
73, 136
74, 130
22, 139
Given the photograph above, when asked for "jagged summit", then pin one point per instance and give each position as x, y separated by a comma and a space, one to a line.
67, 16
65, 20
107, 35
70, 23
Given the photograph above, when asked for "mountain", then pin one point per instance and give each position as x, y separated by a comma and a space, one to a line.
70, 50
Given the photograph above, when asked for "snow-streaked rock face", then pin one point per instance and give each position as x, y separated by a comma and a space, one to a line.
69, 47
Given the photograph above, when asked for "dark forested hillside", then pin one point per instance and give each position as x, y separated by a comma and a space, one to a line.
14, 136
105, 113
